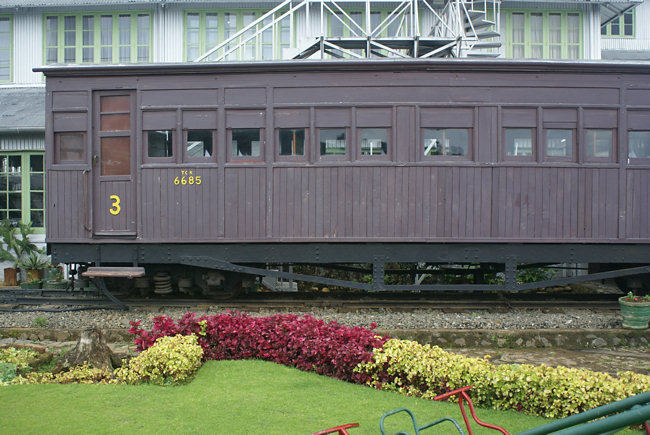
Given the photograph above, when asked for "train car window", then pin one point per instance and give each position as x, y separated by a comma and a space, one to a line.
374, 141
446, 142
373, 133
116, 155
292, 133
638, 144
199, 129
69, 147
160, 143
291, 141
599, 144
560, 126
559, 143
333, 141
333, 125
245, 142
520, 143
198, 144
115, 113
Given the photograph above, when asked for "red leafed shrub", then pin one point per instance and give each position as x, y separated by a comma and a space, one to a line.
304, 342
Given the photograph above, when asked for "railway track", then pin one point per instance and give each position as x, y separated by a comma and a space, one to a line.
50, 300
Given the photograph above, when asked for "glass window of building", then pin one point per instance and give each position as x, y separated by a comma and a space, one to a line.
622, 26
543, 34
122, 37
5, 49
22, 188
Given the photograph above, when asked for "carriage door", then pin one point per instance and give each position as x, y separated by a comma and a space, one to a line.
114, 211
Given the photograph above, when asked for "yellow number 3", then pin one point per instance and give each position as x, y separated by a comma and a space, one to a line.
115, 209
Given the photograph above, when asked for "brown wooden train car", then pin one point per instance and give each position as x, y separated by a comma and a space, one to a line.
438, 161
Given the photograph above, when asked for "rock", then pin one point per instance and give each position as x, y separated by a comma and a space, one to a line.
92, 349
598, 342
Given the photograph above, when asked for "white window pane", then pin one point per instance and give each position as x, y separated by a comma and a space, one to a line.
599, 143
519, 142
639, 145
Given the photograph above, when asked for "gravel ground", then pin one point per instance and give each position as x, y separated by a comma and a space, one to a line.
418, 319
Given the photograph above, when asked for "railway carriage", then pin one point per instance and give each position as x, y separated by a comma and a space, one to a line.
220, 169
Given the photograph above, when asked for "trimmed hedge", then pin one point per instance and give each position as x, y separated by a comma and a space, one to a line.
170, 360
303, 342
424, 371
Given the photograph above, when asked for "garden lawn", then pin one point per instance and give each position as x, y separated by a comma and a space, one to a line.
226, 397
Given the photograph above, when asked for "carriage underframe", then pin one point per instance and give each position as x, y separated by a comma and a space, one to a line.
610, 260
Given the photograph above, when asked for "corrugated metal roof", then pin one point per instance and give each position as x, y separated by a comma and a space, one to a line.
22, 109
77, 3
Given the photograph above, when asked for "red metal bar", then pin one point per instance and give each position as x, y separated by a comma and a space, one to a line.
341, 430
462, 394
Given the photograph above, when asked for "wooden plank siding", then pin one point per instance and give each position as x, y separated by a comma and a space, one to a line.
402, 196
179, 212
68, 204
638, 204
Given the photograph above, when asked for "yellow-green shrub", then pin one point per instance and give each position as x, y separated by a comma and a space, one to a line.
169, 360
21, 358
424, 371
83, 374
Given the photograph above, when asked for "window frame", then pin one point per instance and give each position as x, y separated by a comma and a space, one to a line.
446, 118
574, 144
97, 44
292, 158
446, 157
340, 157
199, 159
519, 158
606, 30
277, 42
57, 149
636, 160
246, 159
145, 145
546, 44
26, 188
597, 159
10, 49
374, 157
292, 118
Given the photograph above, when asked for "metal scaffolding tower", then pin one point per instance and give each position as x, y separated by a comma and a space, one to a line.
370, 28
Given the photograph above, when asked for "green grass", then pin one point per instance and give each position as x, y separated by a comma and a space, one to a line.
226, 397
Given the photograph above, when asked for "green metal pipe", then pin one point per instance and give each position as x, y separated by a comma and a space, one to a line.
636, 416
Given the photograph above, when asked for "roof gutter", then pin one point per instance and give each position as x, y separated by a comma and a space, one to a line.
21, 130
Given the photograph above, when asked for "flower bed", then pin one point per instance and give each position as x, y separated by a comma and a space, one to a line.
303, 342
424, 371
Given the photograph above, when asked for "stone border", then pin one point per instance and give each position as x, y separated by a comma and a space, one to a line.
525, 338
447, 338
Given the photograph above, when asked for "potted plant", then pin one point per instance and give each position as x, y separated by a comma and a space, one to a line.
15, 244
635, 311
33, 284
33, 263
55, 279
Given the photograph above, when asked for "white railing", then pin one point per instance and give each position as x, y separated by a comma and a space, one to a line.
401, 19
